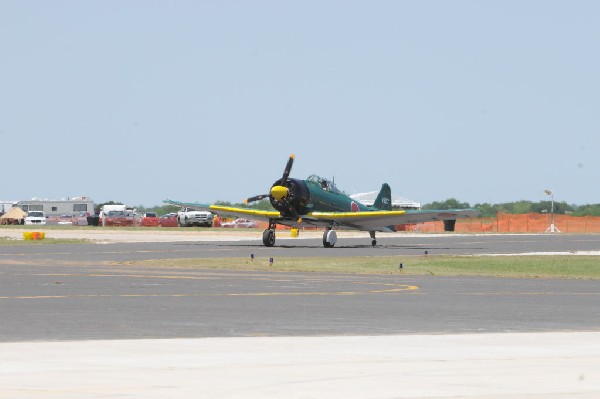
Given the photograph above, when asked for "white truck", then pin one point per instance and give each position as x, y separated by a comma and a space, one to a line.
189, 217
35, 217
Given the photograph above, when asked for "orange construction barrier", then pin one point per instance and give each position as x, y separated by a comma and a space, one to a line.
523, 223
502, 223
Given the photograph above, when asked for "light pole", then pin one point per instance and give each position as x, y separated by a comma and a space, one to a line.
552, 228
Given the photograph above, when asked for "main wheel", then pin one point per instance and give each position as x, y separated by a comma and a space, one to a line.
329, 238
269, 237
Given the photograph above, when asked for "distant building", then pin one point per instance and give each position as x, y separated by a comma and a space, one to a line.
77, 206
6, 205
397, 202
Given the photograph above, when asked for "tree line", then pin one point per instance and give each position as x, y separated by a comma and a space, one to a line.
486, 209
518, 207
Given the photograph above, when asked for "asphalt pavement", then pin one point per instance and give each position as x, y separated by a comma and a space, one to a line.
88, 291
78, 321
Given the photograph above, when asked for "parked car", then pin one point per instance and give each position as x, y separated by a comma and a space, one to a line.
35, 217
65, 219
118, 218
150, 219
168, 220
240, 223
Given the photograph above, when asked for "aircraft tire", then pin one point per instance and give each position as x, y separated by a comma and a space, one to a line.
269, 237
329, 238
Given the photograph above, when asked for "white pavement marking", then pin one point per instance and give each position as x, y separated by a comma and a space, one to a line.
507, 366
575, 253
101, 235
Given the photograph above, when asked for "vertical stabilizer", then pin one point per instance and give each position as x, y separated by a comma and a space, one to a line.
384, 199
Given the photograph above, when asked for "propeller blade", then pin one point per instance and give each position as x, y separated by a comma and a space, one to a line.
280, 191
288, 169
256, 198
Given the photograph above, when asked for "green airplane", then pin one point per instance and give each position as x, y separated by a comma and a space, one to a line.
317, 202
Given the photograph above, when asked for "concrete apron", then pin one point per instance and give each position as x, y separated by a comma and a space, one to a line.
528, 365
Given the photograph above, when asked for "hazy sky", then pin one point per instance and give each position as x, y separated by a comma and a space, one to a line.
139, 101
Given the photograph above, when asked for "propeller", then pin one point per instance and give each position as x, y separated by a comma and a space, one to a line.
279, 191
256, 198
288, 169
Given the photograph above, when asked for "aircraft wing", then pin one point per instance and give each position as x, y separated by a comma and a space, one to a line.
419, 216
367, 221
191, 205
371, 221
244, 212
228, 210
381, 220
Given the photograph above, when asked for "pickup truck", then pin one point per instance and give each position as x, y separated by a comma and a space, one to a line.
186, 218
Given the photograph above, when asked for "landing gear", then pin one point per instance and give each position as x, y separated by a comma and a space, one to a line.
374, 241
329, 238
269, 237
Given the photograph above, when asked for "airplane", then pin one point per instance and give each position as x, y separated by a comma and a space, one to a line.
317, 201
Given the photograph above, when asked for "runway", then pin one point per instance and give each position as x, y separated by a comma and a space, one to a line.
102, 302
88, 291
138, 245
75, 297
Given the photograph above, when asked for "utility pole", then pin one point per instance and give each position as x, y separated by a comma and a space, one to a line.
552, 228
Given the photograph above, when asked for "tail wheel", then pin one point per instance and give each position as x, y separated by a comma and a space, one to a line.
374, 241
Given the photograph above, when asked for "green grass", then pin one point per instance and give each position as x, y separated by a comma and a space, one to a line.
122, 228
45, 241
75, 227
571, 267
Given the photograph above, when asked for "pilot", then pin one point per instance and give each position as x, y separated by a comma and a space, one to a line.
324, 184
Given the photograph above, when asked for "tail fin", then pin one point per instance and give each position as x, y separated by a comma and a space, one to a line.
383, 201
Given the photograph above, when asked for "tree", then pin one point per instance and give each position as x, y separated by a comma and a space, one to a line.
521, 207
487, 210
450, 203
587, 210
164, 209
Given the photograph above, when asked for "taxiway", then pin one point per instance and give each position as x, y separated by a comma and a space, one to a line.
77, 321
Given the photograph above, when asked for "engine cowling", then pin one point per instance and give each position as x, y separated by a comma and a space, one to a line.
289, 197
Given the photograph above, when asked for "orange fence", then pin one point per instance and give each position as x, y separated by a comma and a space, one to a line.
526, 223
503, 223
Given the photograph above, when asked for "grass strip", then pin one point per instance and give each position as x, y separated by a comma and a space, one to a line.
568, 267
45, 241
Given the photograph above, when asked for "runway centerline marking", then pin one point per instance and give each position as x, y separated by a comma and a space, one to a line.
398, 288
384, 288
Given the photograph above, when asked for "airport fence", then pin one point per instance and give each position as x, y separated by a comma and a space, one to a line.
503, 223
524, 223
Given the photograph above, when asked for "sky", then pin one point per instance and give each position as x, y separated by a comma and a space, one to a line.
140, 101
